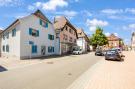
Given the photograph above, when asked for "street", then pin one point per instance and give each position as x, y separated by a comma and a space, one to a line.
57, 73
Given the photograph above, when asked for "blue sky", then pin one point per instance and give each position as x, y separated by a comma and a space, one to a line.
114, 16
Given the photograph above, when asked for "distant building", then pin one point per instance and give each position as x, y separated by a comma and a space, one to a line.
83, 40
133, 41
114, 41
0, 40
66, 34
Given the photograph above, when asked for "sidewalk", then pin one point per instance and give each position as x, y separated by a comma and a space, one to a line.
109, 75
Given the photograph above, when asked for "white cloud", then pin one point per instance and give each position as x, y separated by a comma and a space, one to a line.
30, 7
69, 14
1, 28
107, 33
10, 2
96, 22
116, 34
87, 13
76, 0
92, 24
50, 5
112, 11
130, 27
131, 10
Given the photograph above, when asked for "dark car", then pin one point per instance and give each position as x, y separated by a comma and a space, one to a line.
113, 55
99, 52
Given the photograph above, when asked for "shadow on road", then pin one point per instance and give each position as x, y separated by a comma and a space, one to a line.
54, 56
2, 69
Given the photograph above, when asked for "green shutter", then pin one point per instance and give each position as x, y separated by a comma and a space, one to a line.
46, 25
40, 22
30, 31
37, 32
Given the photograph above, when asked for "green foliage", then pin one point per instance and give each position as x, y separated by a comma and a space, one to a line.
98, 38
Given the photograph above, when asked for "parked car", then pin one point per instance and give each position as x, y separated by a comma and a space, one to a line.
99, 52
77, 51
118, 49
113, 55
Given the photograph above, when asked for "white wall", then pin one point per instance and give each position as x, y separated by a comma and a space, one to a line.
82, 43
13, 42
33, 22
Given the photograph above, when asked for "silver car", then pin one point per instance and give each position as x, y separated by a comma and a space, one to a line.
77, 51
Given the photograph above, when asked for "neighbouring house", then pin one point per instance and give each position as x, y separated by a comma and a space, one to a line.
113, 41
83, 40
133, 41
0, 40
66, 34
29, 37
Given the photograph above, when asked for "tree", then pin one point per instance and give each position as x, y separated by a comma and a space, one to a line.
98, 38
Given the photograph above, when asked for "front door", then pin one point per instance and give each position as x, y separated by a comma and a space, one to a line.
43, 50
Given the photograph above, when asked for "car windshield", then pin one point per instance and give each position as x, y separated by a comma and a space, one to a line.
77, 49
111, 52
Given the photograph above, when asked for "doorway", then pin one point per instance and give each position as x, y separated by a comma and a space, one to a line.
43, 50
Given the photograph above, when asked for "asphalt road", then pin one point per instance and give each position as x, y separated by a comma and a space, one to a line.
58, 73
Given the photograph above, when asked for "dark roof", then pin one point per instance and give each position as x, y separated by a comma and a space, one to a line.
36, 13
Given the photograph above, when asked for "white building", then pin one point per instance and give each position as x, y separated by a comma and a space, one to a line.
133, 41
28, 37
83, 40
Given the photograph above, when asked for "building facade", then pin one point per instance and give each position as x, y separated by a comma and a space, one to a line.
133, 41
28, 37
66, 34
83, 40
113, 41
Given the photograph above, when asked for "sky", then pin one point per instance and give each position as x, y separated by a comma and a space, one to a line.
114, 16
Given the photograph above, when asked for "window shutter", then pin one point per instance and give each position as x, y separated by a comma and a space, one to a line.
48, 49
14, 32
30, 31
53, 49
35, 48
37, 32
48, 36
40, 22
46, 25
7, 48
52, 37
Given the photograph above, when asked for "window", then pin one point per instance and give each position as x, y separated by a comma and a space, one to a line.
66, 28
70, 39
7, 48
51, 37
3, 48
50, 49
70, 30
33, 32
13, 32
3, 36
34, 48
65, 37
7, 35
44, 24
